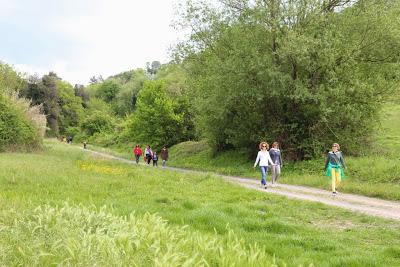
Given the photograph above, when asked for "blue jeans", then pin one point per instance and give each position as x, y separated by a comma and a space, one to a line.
264, 170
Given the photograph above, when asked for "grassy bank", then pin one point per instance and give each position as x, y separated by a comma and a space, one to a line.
294, 232
376, 174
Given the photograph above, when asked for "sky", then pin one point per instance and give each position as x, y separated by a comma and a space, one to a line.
79, 39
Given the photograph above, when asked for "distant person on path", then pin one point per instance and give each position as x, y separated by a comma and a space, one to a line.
276, 158
164, 156
137, 151
155, 159
263, 159
148, 154
334, 165
84, 145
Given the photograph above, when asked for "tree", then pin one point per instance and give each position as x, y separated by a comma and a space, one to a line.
302, 73
108, 90
71, 110
44, 91
154, 120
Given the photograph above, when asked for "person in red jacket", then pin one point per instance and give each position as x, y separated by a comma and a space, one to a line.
138, 152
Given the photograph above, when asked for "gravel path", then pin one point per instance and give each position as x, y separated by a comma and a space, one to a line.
367, 205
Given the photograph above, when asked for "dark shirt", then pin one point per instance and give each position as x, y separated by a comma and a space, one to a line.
334, 158
275, 155
164, 154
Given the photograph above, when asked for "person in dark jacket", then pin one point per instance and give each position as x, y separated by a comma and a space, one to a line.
164, 156
334, 165
276, 158
155, 159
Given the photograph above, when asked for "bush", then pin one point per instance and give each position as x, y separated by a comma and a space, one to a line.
155, 121
78, 236
97, 122
21, 127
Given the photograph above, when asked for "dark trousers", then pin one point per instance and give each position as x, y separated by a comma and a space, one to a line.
137, 158
148, 159
155, 162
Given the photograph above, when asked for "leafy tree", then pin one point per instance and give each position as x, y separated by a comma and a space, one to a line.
44, 91
10, 80
154, 120
153, 68
71, 111
304, 73
108, 91
130, 86
97, 122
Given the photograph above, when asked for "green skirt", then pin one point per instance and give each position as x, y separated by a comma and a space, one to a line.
338, 168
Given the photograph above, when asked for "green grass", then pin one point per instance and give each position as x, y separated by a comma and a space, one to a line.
294, 232
376, 174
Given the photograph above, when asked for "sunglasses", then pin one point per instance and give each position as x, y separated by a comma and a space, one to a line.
263, 146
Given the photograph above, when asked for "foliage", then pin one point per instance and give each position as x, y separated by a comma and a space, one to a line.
127, 96
21, 126
303, 73
155, 120
44, 92
71, 109
97, 122
108, 90
10, 80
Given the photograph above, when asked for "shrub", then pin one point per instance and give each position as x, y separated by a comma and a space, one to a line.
97, 122
22, 127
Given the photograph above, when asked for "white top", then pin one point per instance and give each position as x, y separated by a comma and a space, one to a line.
264, 158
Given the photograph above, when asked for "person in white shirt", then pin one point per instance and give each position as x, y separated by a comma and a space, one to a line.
263, 158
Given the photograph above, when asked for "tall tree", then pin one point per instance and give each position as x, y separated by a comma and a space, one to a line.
304, 73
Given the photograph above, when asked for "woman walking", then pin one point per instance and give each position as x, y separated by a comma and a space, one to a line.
334, 165
276, 158
148, 154
262, 160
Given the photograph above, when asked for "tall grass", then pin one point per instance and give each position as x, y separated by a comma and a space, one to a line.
79, 236
298, 233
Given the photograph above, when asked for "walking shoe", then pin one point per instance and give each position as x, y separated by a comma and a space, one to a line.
334, 193
265, 186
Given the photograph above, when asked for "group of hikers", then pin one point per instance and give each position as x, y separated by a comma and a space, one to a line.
150, 155
334, 164
266, 157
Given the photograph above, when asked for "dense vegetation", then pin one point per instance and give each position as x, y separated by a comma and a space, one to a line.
22, 125
304, 73
209, 220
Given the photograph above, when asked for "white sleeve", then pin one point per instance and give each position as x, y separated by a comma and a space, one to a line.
257, 159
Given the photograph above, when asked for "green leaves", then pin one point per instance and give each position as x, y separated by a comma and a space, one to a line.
155, 120
303, 74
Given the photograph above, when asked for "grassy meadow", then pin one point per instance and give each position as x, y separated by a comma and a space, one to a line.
375, 174
64, 207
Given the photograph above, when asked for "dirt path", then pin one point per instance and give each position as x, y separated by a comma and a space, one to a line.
371, 206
